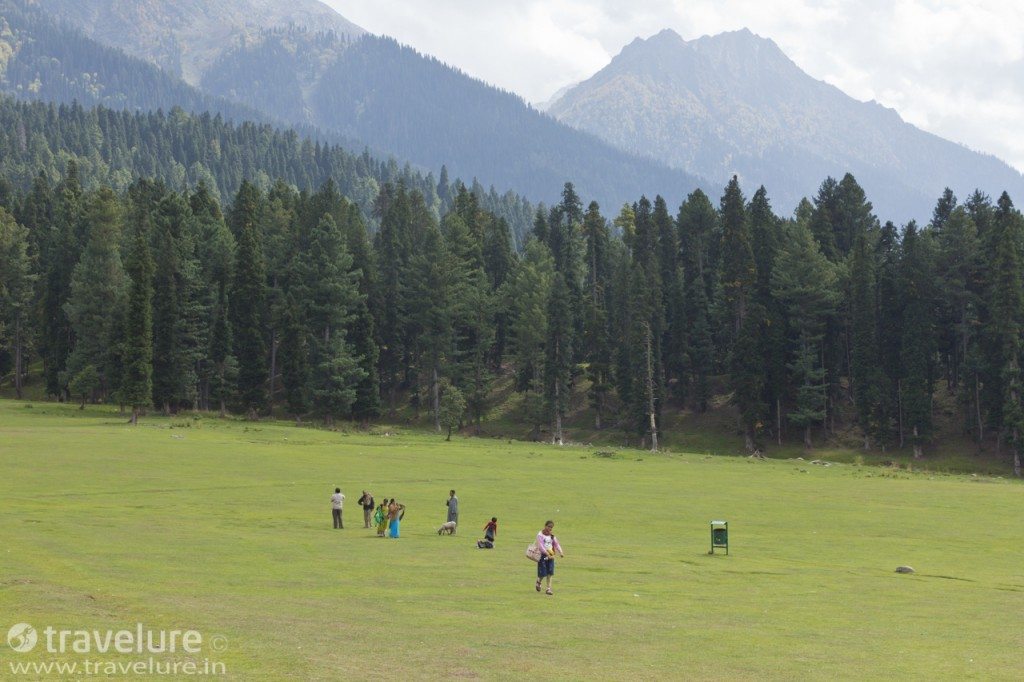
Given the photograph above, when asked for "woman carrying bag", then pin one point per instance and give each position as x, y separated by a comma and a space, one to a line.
543, 552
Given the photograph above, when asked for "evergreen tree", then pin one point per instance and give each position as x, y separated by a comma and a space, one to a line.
362, 331
805, 282
1007, 321
959, 284
766, 236
248, 302
453, 407
281, 235
868, 379
890, 334
917, 279
672, 344
499, 258
220, 371
540, 225
558, 363
471, 315
595, 316
173, 369
623, 323
989, 392
97, 291
17, 283
943, 210
59, 251
331, 292
698, 231
739, 277
295, 375
393, 251
137, 385
527, 296
430, 285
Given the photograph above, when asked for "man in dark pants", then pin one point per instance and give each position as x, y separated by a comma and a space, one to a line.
367, 501
337, 499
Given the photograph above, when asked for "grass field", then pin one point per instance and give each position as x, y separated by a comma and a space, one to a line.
224, 527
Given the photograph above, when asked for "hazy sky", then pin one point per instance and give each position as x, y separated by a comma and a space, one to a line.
953, 68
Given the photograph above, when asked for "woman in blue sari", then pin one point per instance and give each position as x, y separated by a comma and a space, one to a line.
395, 513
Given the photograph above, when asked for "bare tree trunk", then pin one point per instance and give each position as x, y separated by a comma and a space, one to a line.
273, 364
918, 453
807, 436
1016, 455
977, 408
556, 437
435, 400
899, 408
17, 359
650, 388
778, 420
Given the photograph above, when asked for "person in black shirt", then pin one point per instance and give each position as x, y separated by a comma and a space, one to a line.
367, 501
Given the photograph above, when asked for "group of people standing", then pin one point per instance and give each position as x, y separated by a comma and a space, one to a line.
387, 517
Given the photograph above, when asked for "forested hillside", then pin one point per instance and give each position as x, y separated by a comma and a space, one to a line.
371, 91
40, 59
114, 148
154, 297
185, 37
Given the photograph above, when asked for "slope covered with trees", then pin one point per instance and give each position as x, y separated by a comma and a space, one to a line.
44, 60
286, 301
116, 147
364, 90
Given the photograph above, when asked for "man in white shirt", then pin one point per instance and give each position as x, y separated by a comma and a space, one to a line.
337, 499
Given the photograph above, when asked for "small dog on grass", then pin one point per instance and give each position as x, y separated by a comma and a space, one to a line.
448, 528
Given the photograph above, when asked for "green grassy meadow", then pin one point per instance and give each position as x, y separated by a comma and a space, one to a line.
223, 526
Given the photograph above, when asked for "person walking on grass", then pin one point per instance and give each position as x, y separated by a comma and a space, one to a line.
453, 507
367, 501
380, 517
337, 500
548, 545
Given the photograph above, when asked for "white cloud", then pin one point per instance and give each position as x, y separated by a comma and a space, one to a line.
955, 68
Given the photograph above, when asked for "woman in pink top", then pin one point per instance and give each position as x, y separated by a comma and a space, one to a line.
548, 544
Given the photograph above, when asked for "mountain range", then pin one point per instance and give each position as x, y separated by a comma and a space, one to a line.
185, 37
340, 80
665, 116
734, 103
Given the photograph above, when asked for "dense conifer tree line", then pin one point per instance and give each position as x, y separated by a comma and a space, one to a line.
153, 296
112, 148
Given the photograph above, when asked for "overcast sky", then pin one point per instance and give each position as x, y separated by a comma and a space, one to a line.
953, 68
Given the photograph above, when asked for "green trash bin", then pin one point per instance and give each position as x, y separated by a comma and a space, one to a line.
719, 536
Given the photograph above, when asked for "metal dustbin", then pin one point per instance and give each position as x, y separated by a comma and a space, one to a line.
719, 536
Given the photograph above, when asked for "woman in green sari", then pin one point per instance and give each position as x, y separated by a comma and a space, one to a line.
380, 518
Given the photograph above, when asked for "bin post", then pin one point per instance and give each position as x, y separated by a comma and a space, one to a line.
719, 536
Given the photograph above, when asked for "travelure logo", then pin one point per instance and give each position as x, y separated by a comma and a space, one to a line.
140, 640
22, 637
